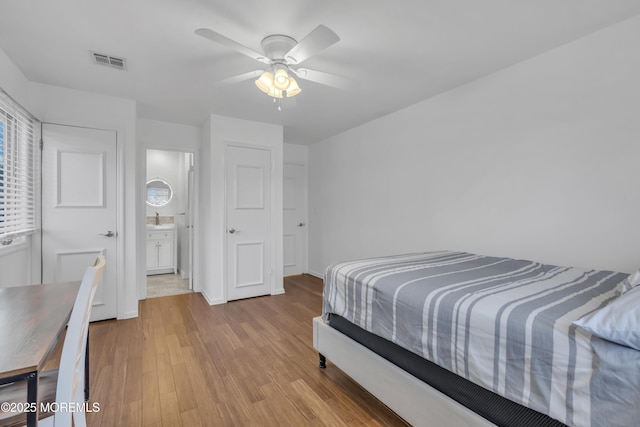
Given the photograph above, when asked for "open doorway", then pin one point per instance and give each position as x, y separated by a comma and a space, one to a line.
169, 222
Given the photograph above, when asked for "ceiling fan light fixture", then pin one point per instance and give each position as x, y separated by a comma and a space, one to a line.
280, 53
293, 88
279, 84
265, 82
281, 79
275, 92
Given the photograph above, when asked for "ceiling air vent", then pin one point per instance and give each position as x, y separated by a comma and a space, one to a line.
109, 61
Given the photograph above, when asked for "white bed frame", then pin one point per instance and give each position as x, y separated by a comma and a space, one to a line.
416, 402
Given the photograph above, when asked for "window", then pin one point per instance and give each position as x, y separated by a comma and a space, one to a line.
17, 184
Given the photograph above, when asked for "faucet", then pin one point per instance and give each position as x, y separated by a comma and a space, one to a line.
157, 218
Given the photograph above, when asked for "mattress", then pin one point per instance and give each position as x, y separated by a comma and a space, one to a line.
498, 410
501, 323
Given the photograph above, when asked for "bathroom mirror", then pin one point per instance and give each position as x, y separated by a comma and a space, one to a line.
159, 192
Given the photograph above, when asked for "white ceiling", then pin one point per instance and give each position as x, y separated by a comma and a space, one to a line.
396, 52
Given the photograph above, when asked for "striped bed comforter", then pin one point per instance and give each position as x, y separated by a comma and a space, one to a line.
503, 323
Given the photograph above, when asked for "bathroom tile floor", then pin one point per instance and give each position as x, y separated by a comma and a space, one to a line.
162, 285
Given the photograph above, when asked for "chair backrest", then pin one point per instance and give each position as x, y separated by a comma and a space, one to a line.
70, 387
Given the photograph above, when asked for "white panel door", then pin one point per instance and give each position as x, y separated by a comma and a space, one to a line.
79, 213
248, 246
295, 217
190, 188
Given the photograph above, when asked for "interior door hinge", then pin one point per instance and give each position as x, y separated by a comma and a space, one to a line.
41, 144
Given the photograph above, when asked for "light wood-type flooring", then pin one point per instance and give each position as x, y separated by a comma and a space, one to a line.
244, 363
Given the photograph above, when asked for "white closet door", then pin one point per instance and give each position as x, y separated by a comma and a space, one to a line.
295, 219
248, 243
79, 215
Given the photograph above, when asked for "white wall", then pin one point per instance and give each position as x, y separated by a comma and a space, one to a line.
538, 161
297, 154
13, 82
15, 265
216, 133
167, 136
209, 249
15, 261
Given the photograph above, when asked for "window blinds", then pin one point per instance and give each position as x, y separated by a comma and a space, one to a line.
17, 165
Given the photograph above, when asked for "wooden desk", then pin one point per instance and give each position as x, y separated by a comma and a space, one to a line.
31, 321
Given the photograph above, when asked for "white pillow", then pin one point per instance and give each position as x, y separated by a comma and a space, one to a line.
618, 321
630, 282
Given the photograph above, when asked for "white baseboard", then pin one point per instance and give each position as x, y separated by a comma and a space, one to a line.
316, 274
216, 301
129, 315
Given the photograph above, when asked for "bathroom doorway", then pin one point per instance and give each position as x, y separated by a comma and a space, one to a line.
169, 222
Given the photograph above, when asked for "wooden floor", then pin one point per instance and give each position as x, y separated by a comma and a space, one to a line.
248, 362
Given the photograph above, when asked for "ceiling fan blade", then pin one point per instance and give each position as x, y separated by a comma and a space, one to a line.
324, 78
318, 39
231, 44
241, 77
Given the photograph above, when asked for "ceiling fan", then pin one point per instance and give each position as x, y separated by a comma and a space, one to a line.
282, 55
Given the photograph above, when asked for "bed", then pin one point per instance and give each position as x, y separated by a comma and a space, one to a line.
455, 339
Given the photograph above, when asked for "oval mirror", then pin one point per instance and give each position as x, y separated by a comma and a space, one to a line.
159, 192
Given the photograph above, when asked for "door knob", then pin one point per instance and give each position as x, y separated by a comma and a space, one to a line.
233, 230
301, 224
107, 234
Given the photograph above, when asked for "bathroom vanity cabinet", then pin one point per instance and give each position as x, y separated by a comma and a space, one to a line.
161, 251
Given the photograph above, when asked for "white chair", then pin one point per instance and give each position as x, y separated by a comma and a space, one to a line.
69, 388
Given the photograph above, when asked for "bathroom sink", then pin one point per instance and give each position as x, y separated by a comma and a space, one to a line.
161, 227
